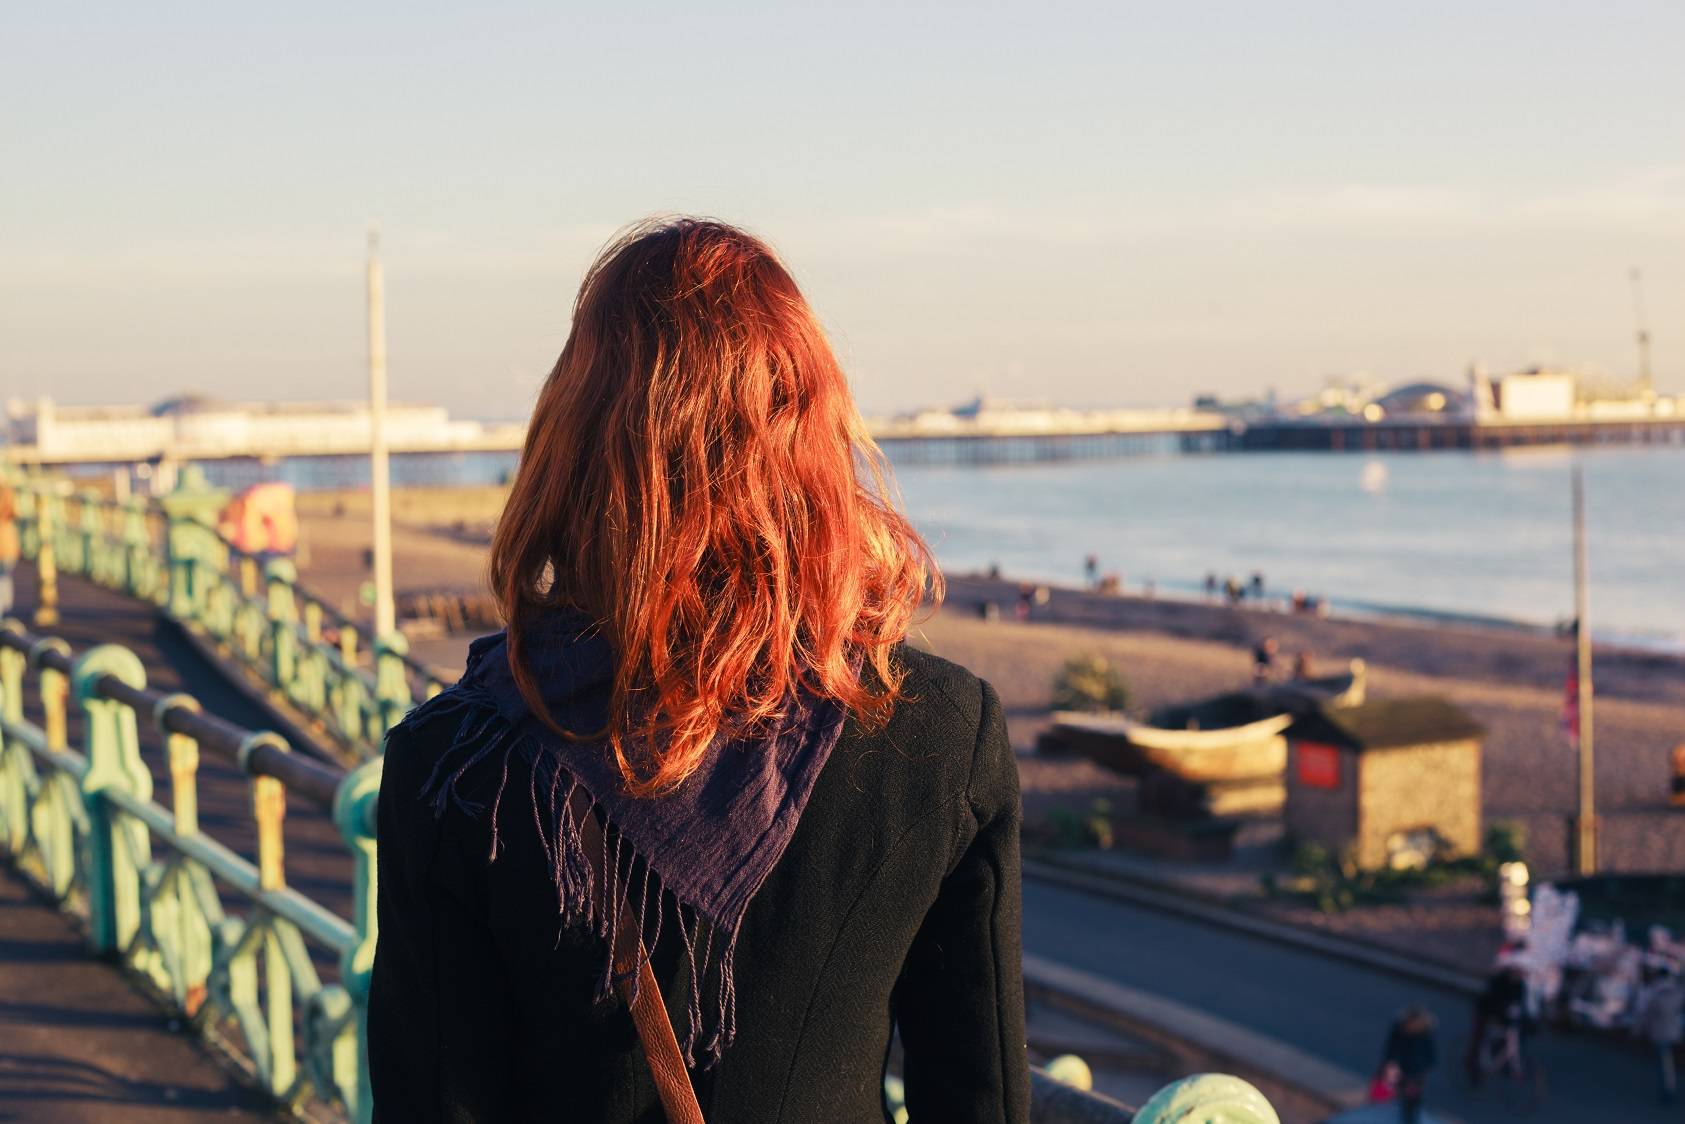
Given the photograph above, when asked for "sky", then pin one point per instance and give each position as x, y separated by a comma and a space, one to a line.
1117, 203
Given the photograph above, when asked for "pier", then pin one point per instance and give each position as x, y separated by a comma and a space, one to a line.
185, 431
1409, 435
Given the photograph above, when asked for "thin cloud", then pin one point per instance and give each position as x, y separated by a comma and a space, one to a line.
1652, 200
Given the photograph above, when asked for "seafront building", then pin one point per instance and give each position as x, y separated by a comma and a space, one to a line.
983, 416
1533, 394
191, 427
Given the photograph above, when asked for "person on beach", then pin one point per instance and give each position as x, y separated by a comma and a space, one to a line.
697, 834
1409, 1055
10, 548
1263, 660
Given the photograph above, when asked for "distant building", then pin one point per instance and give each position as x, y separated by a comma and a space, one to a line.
191, 427
983, 416
1394, 781
1422, 399
1535, 393
1546, 394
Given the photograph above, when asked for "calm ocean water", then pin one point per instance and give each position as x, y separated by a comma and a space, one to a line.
1479, 535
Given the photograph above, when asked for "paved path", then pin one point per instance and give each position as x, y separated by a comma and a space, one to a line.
1331, 1009
76, 1041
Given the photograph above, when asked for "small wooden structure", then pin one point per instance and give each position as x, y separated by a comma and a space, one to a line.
1396, 780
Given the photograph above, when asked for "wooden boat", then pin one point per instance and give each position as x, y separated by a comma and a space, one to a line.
1345, 689
1230, 738
1242, 752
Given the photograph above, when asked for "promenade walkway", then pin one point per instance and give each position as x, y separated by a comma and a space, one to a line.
77, 1041
1333, 1010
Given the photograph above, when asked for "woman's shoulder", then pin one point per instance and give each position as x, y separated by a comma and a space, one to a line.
947, 715
939, 692
434, 739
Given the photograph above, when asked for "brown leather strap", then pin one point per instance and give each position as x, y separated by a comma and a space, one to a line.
649, 1012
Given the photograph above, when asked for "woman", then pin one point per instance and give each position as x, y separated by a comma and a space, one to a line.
702, 735
1410, 1053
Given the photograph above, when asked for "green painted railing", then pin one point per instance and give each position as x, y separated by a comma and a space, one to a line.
347, 690
155, 891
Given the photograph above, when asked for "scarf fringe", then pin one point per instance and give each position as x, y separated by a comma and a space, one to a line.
631, 889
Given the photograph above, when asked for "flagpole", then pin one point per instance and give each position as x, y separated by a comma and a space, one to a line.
380, 480
1585, 836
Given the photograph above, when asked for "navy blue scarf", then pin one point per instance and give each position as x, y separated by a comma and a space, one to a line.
708, 845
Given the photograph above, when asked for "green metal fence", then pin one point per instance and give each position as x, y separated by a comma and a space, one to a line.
223, 940
348, 688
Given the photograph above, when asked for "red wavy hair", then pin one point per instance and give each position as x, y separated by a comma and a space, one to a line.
696, 479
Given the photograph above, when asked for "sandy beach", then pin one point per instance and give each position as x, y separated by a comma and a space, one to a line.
1512, 681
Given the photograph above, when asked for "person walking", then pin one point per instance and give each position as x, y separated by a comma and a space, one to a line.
1661, 1020
1409, 1055
10, 549
1501, 1009
1263, 660
698, 833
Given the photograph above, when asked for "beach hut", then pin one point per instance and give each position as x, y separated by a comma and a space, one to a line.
1396, 780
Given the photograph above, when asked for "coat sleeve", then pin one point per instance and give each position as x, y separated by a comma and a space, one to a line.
438, 1009
960, 1001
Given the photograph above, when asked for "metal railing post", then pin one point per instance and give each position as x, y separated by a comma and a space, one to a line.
183, 754
179, 918
280, 577
178, 544
51, 818
354, 813
192, 541
269, 809
14, 758
89, 524
391, 682
46, 564
55, 692
117, 850
137, 544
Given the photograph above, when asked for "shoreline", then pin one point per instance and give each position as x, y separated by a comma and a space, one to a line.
468, 512
1356, 611
1520, 656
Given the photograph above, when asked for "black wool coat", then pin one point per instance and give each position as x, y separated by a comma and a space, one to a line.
896, 905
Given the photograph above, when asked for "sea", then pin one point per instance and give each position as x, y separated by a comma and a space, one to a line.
1477, 537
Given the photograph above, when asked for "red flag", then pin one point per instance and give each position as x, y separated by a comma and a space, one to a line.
1571, 703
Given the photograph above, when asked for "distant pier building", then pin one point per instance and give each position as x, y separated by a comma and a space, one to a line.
192, 427
1536, 406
